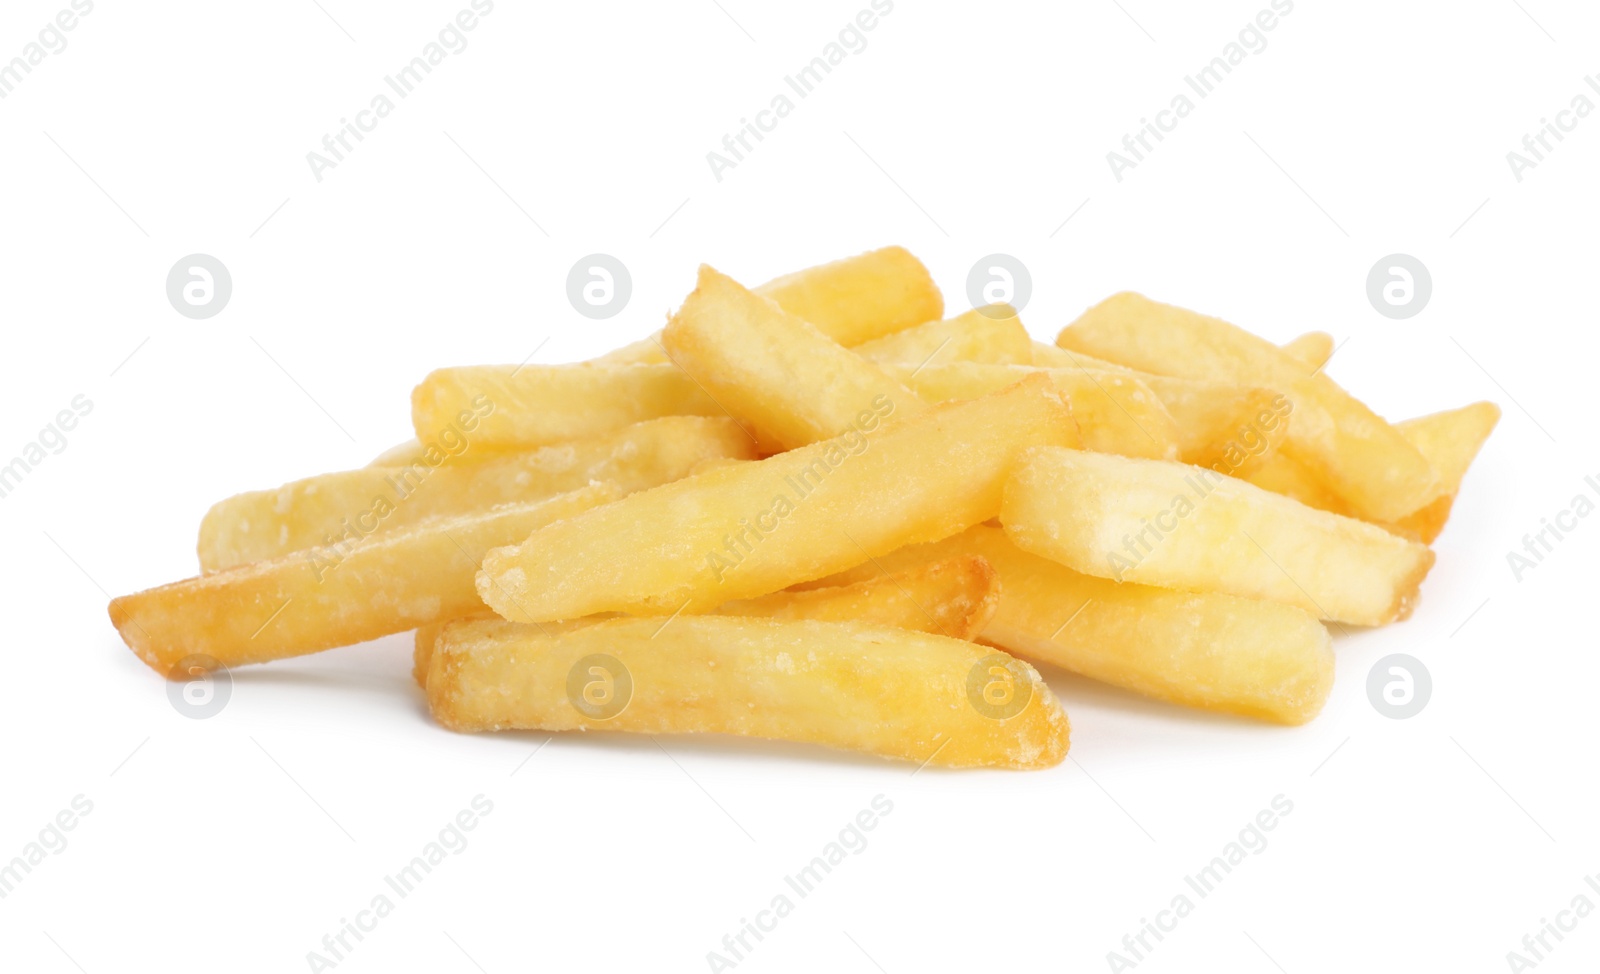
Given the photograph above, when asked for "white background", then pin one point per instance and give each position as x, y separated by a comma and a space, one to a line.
236, 843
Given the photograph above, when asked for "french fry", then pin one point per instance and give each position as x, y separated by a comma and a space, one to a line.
1216, 652
1314, 348
697, 543
953, 597
1212, 420
1231, 429
993, 334
1451, 441
336, 509
1188, 528
1366, 461
860, 298
853, 300
536, 405
427, 637
293, 605
775, 372
1283, 475
884, 691
1116, 411
1051, 357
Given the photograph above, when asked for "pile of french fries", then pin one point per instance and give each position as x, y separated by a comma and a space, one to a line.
818, 510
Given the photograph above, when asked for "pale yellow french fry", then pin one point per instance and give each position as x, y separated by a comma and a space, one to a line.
1188, 528
291, 605
1214, 423
992, 334
325, 513
1451, 441
1283, 475
853, 300
777, 373
1051, 357
1207, 650
536, 405
1366, 461
953, 597
755, 528
1231, 429
884, 691
1116, 411
1314, 348
860, 298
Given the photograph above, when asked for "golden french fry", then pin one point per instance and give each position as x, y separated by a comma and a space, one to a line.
891, 692
1207, 650
427, 637
775, 372
1188, 528
1450, 440
325, 513
1363, 459
751, 529
292, 605
953, 597
1116, 411
992, 334
853, 300
1314, 348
